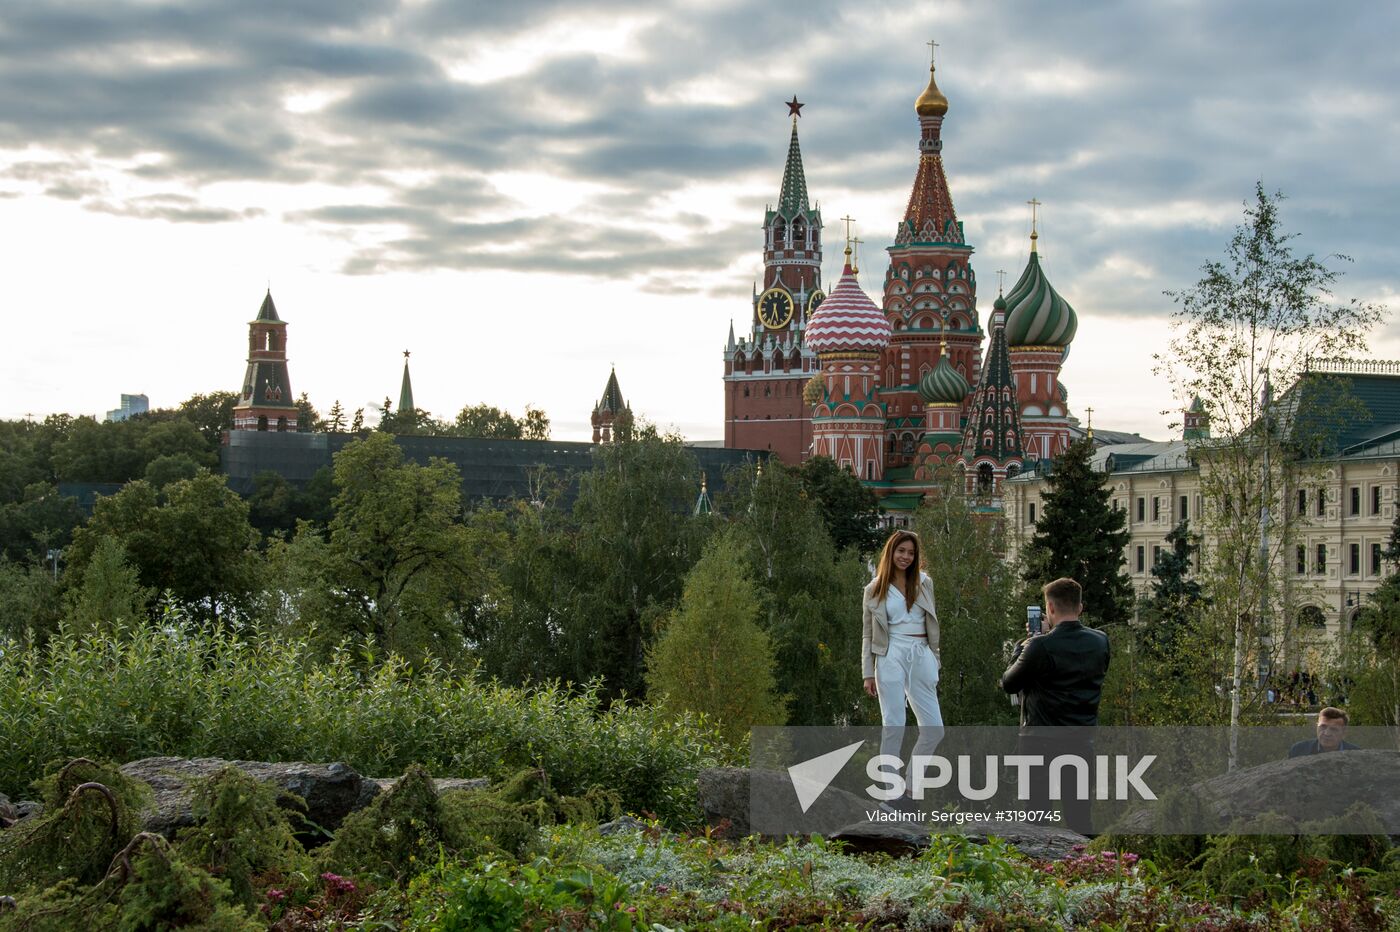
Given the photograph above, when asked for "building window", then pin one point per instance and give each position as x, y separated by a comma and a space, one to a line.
1156, 554
1156, 508
1311, 616
1302, 502
1142, 509
1354, 559
1321, 566
1141, 557
1375, 499
1375, 559
1356, 500
1032, 512
1182, 504
1321, 503
1302, 566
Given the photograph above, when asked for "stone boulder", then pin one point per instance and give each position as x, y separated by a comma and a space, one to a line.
1315, 787
724, 798
330, 791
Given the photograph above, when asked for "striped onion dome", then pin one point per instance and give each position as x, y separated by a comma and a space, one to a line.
848, 321
943, 384
1036, 314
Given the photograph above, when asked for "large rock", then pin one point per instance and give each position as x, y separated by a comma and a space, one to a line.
1315, 787
725, 793
330, 791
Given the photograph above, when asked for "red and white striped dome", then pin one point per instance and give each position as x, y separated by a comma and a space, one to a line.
848, 321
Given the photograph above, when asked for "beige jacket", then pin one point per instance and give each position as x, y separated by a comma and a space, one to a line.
875, 626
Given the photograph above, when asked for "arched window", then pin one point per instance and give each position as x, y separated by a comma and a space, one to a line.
907, 445
262, 423
281, 424
1310, 616
984, 479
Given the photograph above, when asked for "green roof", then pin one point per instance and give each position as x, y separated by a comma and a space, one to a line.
793, 199
901, 501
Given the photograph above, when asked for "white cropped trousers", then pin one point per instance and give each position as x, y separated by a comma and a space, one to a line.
908, 673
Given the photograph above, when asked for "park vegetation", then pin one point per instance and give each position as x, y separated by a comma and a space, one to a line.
592, 650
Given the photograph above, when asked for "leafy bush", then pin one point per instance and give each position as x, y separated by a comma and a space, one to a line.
185, 691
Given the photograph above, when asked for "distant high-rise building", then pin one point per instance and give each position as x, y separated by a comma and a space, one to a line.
131, 404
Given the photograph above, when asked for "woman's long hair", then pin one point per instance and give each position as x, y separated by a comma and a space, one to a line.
885, 573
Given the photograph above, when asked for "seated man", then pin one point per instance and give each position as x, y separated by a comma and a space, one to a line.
1331, 729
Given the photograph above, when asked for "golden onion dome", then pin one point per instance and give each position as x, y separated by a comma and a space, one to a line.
931, 102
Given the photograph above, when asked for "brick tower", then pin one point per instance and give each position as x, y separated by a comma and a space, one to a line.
266, 402
930, 292
991, 447
765, 371
611, 412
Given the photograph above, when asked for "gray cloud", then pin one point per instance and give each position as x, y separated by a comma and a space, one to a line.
1093, 108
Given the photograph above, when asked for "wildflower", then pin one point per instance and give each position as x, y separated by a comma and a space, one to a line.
277, 896
1077, 848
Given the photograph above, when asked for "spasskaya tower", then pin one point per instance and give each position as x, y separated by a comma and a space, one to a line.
765, 371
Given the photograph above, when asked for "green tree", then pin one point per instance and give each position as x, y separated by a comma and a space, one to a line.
809, 592
1166, 669
1255, 319
634, 542
1392, 546
109, 594
169, 468
191, 539
309, 420
211, 414
28, 601
483, 420
335, 421
711, 656
847, 505
1082, 536
1374, 698
394, 555
37, 521
357, 423
980, 611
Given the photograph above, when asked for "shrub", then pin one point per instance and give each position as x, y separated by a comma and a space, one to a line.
184, 691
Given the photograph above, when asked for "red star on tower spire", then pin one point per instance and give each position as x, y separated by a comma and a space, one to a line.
794, 108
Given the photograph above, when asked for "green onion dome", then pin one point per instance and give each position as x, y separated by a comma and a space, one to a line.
1036, 314
943, 384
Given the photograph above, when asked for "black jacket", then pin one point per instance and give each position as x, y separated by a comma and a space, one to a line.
1059, 675
1304, 748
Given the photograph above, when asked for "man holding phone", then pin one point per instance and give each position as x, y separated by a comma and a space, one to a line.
1059, 675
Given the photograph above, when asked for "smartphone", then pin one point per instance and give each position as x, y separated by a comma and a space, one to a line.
1033, 618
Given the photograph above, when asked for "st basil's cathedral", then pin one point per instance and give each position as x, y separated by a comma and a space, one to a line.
902, 392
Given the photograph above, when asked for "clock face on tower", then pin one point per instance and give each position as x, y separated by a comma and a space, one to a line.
775, 308
815, 301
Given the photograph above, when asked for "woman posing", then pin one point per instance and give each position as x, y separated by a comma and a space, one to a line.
899, 637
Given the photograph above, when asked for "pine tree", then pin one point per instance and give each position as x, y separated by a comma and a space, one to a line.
336, 422
712, 657
357, 423
110, 594
1080, 535
1175, 597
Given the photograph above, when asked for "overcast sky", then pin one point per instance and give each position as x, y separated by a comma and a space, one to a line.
524, 193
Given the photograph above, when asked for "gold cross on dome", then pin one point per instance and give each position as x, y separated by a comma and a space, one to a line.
848, 221
1001, 279
855, 258
932, 52
1034, 204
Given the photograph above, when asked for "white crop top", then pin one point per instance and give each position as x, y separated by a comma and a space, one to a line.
903, 619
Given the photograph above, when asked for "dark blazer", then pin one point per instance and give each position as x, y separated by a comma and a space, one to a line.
1304, 748
1059, 675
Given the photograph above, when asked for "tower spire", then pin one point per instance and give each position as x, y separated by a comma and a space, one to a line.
406, 388
793, 198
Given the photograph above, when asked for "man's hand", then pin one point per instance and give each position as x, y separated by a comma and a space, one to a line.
870, 686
